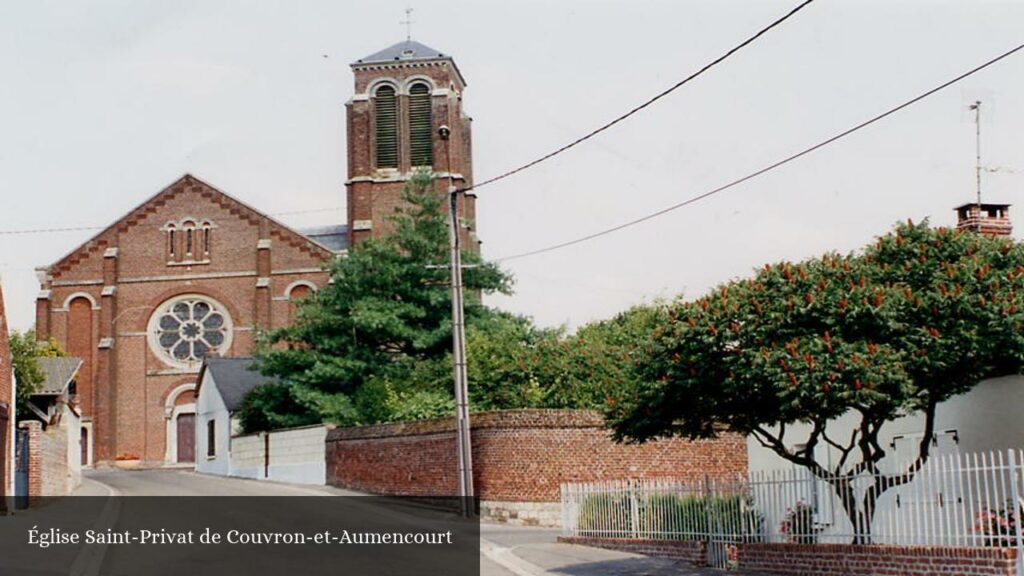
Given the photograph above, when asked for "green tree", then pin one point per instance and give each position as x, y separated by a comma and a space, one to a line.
388, 307
592, 367
25, 354
920, 316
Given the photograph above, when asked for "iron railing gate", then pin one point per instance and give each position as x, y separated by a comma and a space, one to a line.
21, 464
955, 500
4, 424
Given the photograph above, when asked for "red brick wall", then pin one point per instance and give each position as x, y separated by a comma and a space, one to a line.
48, 460
843, 559
124, 387
692, 551
518, 456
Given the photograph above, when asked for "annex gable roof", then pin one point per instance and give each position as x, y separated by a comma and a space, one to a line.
57, 374
107, 237
233, 377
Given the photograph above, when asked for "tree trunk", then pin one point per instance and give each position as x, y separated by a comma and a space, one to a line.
860, 514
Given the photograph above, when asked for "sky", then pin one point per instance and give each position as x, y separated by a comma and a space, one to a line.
102, 104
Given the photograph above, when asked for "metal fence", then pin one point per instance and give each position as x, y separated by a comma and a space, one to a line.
954, 500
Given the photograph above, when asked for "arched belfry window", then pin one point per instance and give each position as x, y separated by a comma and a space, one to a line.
385, 110
189, 241
189, 230
207, 229
172, 242
421, 132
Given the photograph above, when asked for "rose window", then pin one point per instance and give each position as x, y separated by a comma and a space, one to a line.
189, 328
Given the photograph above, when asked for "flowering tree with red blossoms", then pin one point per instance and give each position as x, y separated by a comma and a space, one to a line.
920, 316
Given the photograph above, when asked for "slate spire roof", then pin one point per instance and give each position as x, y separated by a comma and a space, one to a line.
405, 50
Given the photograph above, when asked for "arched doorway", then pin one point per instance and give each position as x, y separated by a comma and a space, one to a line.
186, 438
180, 414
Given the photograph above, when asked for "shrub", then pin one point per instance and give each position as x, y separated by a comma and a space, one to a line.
799, 526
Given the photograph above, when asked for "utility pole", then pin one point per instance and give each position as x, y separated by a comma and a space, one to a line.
465, 448
977, 148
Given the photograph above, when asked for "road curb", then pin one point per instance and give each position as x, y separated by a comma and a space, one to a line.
506, 558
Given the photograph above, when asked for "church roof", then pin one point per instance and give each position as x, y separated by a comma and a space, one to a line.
234, 378
407, 50
140, 212
334, 237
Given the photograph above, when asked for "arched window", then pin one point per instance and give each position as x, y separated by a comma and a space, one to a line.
188, 228
207, 230
421, 132
385, 108
172, 248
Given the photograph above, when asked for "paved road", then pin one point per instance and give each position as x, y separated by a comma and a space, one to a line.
504, 550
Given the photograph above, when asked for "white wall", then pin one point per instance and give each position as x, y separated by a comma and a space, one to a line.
73, 424
247, 456
210, 406
297, 455
989, 417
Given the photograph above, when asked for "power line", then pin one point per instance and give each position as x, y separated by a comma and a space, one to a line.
768, 168
633, 111
83, 228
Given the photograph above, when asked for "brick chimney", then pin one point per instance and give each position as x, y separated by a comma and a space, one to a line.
984, 218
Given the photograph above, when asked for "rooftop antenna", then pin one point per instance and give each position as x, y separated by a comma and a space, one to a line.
408, 24
976, 107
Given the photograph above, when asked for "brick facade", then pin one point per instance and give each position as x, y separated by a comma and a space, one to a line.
373, 193
519, 456
100, 300
7, 403
826, 559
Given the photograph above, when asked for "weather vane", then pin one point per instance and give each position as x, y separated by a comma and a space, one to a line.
408, 24
976, 107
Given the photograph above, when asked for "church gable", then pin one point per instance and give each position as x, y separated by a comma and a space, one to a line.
188, 226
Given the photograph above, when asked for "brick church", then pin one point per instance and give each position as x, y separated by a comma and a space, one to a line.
193, 272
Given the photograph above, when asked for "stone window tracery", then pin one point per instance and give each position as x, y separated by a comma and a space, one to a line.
188, 328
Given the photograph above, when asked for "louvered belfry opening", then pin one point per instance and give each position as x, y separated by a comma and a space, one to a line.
386, 119
421, 146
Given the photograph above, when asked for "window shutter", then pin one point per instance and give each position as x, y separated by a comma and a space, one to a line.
421, 142
386, 117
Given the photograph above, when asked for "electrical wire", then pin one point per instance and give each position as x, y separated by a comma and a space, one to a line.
83, 228
768, 168
636, 109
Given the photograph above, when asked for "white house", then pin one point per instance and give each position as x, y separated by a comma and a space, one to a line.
292, 455
988, 418
220, 388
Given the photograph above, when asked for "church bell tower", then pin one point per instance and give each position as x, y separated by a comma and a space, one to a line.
404, 94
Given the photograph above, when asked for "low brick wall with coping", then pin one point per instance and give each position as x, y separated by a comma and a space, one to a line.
843, 559
692, 551
827, 559
520, 459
